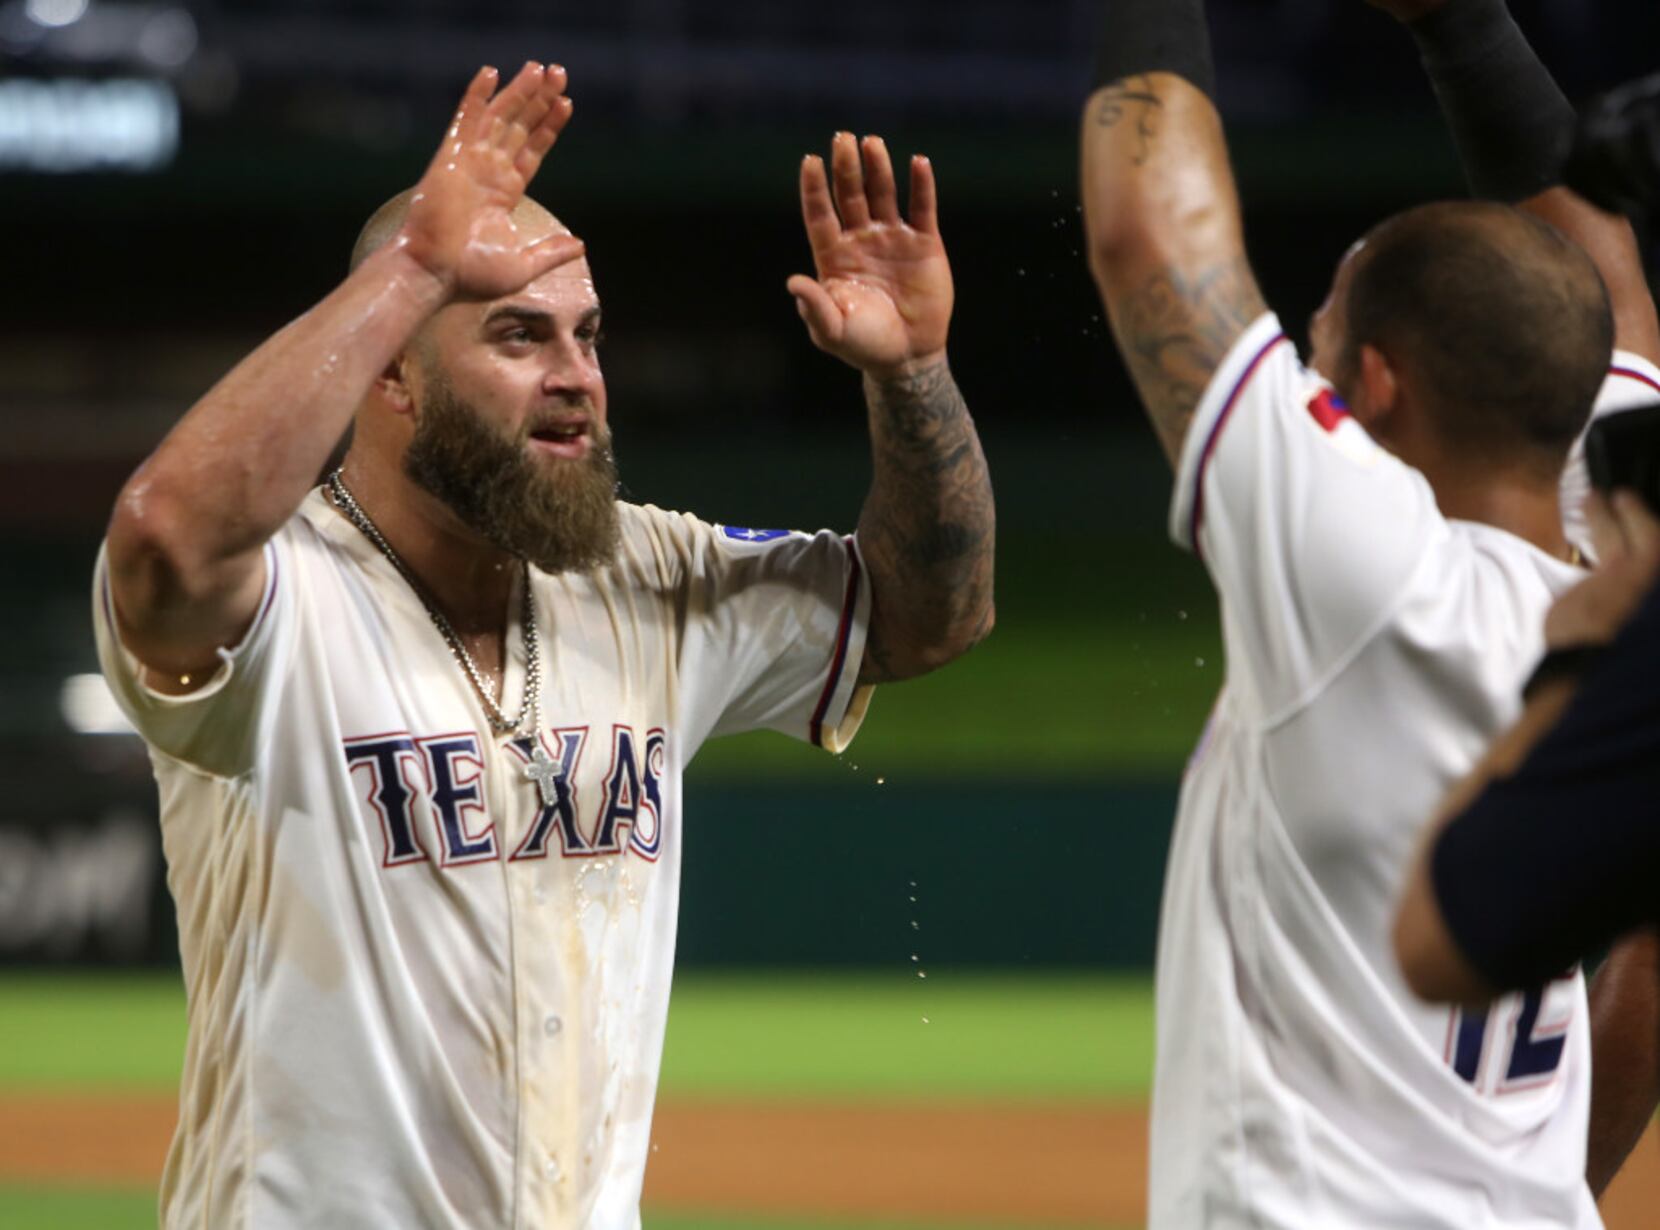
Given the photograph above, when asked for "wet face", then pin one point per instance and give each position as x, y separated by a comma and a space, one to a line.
510, 422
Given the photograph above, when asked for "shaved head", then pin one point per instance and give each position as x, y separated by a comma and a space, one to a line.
530, 216
1502, 324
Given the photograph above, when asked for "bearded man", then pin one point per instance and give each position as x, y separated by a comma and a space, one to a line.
419, 730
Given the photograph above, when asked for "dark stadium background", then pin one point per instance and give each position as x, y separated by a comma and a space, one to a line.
1040, 773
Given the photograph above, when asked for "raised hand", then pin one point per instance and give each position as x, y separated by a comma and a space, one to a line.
460, 226
882, 298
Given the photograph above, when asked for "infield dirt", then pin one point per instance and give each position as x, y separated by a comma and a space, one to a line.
1060, 1164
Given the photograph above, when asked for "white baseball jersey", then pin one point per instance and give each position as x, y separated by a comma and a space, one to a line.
421, 992
1374, 648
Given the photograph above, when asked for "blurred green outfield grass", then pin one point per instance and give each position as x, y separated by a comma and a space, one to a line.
1105, 661
782, 1035
46, 1209
1106, 655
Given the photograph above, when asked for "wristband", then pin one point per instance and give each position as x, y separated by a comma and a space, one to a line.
1512, 124
1570, 662
1156, 36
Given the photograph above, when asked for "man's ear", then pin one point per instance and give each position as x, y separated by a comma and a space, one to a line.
396, 385
1377, 391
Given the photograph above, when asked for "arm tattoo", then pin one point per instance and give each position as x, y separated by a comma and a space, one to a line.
1134, 96
1175, 330
926, 531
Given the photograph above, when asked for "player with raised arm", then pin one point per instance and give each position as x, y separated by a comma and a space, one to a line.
1514, 130
419, 731
1385, 532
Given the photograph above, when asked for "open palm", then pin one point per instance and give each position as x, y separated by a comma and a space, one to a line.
882, 296
460, 225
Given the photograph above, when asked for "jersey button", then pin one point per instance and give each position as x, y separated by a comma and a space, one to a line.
551, 1170
540, 893
552, 1026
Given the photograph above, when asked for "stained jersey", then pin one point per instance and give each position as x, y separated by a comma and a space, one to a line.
419, 995
1374, 648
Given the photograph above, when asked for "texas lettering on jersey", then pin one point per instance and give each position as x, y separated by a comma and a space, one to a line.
443, 774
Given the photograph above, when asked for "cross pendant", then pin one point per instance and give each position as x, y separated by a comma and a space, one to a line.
544, 773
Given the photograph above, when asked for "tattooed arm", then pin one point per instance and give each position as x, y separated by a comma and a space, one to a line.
927, 526
881, 302
1165, 242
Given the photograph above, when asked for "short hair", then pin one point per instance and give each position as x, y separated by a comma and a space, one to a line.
1503, 324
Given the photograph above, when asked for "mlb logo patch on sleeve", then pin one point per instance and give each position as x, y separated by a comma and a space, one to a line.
740, 533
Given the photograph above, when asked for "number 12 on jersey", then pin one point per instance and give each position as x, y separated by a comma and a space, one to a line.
1517, 1043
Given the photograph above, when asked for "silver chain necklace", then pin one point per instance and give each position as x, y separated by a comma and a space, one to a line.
540, 769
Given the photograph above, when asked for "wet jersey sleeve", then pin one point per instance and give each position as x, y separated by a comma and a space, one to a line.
1555, 861
775, 632
1309, 530
216, 727
1632, 381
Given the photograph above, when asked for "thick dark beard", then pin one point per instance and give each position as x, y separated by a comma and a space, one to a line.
562, 516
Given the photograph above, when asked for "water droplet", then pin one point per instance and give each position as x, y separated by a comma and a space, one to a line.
1181, 614
913, 900
924, 1020
1198, 661
922, 973
914, 957
1019, 273
881, 780
1054, 194
915, 925
913, 883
